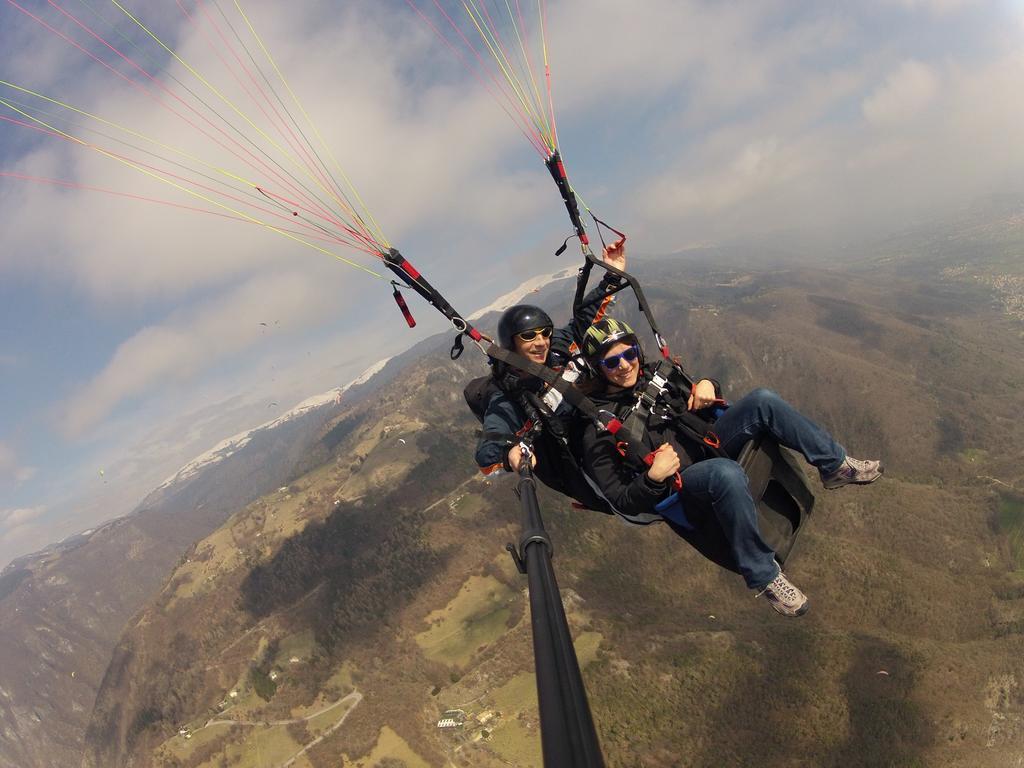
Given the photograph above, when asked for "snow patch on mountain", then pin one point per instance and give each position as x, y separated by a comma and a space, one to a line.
232, 445
369, 373
517, 294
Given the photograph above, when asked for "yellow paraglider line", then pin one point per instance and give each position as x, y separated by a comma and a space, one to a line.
130, 132
213, 89
510, 76
547, 72
377, 230
248, 184
191, 192
520, 35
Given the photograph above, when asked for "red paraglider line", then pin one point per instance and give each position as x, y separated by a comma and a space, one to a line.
293, 141
360, 243
535, 136
368, 241
521, 121
547, 72
146, 91
92, 188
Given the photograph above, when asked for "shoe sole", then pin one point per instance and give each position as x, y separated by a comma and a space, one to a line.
798, 612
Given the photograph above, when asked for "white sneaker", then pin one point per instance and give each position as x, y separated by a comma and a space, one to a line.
784, 596
853, 471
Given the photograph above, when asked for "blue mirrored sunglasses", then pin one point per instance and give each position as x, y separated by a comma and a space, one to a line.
612, 361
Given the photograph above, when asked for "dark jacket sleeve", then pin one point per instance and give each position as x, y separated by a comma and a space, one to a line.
502, 417
592, 304
563, 337
629, 492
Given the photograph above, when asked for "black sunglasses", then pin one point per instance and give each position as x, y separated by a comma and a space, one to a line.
612, 361
532, 334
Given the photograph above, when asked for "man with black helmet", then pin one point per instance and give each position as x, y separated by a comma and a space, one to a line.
529, 331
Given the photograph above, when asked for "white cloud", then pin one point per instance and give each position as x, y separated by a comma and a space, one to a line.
8, 459
936, 6
415, 154
904, 95
933, 137
181, 348
10, 466
13, 519
693, 121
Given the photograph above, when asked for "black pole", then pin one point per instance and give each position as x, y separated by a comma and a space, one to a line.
568, 737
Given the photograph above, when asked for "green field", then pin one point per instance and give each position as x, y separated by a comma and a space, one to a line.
1011, 523
586, 647
517, 744
391, 745
510, 738
474, 618
300, 645
262, 746
517, 695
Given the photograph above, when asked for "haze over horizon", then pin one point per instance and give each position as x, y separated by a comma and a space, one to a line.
134, 337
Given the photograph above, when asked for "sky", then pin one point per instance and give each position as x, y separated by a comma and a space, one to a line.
134, 335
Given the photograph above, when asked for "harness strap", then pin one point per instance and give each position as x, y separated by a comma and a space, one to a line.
605, 419
411, 277
496, 436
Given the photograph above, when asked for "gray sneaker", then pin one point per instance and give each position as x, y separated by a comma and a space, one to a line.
784, 596
853, 471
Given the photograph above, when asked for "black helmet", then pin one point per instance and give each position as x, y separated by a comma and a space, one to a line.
521, 317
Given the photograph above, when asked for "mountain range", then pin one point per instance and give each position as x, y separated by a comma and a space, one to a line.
327, 590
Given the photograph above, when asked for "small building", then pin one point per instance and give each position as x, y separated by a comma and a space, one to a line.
233, 695
273, 674
294, 660
452, 718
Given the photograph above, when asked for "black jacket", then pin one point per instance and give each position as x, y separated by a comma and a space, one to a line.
624, 484
504, 415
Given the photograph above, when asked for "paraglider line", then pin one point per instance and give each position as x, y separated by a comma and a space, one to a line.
340, 196
292, 140
510, 76
521, 123
358, 236
206, 82
202, 101
525, 47
309, 120
136, 84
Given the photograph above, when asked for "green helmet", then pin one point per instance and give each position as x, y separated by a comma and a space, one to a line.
603, 334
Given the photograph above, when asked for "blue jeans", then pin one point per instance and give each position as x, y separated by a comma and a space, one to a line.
720, 484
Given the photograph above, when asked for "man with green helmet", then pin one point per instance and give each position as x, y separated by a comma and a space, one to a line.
696, 485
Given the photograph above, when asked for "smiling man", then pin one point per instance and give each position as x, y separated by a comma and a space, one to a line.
529, 331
